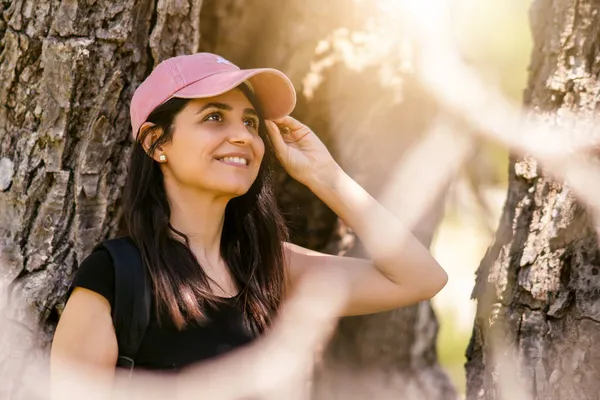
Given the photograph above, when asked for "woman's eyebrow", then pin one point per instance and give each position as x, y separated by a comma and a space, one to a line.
220, 106
225, 107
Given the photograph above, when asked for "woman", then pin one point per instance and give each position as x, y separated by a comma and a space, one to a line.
200, 206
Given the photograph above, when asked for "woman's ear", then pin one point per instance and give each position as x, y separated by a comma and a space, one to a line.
150, 133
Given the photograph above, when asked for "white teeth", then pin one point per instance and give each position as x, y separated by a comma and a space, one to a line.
236, 160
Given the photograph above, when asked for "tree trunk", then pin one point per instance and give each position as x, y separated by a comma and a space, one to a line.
69, 70
537, 286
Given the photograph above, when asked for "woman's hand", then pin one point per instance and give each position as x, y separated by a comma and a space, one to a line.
300, 151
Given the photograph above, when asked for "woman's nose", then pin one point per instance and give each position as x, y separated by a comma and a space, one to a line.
240, 135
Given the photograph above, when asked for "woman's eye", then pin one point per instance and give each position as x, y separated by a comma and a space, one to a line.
251, 123
213, 117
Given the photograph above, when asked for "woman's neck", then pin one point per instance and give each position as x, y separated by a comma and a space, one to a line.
199, 215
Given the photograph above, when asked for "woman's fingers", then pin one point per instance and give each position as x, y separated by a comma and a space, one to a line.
290, 122
291, 129
276, 137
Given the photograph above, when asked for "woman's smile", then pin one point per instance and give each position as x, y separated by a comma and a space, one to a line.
235, 160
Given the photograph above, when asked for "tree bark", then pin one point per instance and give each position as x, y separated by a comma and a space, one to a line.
537, 321
69, 70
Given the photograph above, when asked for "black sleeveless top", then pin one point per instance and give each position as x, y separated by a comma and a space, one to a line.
165, 347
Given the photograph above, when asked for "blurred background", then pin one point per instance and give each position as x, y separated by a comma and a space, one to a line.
352, 66
495, 39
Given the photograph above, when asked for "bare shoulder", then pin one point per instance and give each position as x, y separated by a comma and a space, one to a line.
292, 249
85, 336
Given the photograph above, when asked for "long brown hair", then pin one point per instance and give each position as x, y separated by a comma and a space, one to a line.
251, 242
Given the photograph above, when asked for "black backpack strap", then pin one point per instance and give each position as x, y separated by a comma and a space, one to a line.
133, 290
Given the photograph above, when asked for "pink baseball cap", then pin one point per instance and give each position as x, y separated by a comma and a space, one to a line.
206, 75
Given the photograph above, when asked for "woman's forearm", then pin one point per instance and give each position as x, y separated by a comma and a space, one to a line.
395, 251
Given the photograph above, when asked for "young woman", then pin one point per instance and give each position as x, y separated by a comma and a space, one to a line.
200, 206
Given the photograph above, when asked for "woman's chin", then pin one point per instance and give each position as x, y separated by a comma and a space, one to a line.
234, 190
228, 187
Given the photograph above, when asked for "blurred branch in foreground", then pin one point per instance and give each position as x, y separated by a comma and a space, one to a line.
280, 359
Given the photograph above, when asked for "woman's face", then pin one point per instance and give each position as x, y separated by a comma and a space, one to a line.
216, 145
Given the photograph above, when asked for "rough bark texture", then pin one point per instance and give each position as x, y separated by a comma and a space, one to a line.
68, 70
537, 287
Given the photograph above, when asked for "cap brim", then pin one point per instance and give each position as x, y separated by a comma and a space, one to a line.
272, 88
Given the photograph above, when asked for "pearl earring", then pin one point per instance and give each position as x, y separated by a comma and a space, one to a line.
162, 158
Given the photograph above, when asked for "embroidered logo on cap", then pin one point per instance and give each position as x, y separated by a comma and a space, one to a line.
224, 61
